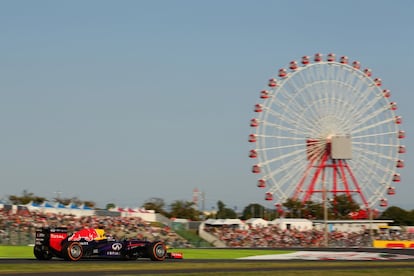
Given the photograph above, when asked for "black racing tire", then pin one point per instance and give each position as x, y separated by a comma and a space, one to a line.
157, 251
42, 253
73, 251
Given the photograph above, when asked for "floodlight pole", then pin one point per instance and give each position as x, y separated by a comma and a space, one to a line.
325, 210
370, 225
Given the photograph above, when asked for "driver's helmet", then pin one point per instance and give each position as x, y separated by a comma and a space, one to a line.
101, 234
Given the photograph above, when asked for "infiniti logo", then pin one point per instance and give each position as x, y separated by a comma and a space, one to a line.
116, 246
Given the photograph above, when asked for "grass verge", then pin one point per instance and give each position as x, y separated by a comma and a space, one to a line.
189, 253
211, 262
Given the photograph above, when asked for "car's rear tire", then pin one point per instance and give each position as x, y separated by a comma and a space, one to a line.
42, 253
73, 251
157, 251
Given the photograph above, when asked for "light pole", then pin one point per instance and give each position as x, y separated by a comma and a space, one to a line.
325, 211
370, 215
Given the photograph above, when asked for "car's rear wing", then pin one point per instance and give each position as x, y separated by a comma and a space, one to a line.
51, 237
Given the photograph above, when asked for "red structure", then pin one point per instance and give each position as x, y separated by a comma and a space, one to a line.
320, 163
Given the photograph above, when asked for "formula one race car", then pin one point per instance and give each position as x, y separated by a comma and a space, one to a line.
91, 242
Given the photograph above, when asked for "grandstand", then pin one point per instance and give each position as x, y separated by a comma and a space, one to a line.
18, 224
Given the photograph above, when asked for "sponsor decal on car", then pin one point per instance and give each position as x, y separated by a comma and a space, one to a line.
117, 246
86, 234
113, 253
57, 236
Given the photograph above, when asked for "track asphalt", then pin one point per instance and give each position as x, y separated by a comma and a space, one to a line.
316, 256
329, 255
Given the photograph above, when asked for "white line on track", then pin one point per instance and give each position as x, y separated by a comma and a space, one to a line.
325, 255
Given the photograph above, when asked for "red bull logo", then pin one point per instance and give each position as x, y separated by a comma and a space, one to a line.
85, 234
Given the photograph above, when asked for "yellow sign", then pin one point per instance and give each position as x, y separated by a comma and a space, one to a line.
392, 244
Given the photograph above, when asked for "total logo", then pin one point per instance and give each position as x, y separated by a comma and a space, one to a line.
57, 236
116, 246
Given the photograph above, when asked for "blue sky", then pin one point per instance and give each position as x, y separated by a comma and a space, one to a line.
122, 101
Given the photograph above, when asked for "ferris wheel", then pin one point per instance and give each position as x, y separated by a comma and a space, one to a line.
324, 128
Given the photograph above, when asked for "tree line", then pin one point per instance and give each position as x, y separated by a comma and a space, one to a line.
340, 207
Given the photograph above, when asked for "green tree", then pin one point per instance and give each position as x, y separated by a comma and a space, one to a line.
110, 206
75, 200
223, 212
25, 198
410, 217
312, 210
156, 204
89, 203
64, 201
254, 210
400, 216
342, 205
295, 208
184, 209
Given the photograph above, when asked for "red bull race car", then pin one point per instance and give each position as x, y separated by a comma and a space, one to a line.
91, 242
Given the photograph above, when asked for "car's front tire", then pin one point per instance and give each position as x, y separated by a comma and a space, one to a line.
157, 251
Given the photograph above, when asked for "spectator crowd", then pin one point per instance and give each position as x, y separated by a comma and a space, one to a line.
274, 236
19, 228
